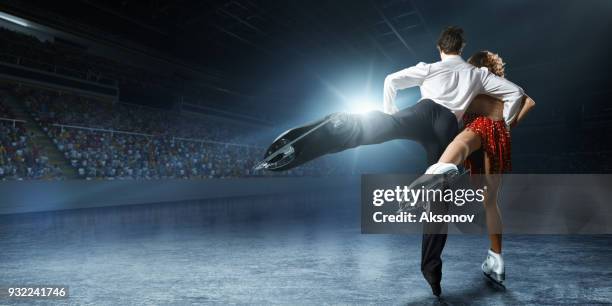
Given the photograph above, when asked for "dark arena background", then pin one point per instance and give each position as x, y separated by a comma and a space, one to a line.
129, 132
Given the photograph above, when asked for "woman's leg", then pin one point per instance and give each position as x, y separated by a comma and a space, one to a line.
461, 147
494, 222
464, 144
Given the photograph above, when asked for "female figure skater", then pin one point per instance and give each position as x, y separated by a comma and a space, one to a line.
484, 146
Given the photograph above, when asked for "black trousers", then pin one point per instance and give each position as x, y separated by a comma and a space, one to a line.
426, 122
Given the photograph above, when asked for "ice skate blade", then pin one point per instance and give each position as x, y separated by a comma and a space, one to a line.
279, 158
496, 279
284, 151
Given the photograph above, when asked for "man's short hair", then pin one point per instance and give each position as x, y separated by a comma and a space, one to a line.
451, 40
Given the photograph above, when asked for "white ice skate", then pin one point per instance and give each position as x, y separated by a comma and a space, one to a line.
493, 267
437, 176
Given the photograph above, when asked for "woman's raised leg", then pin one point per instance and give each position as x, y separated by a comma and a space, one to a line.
460, 148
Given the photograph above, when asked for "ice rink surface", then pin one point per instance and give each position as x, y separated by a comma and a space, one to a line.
292, 249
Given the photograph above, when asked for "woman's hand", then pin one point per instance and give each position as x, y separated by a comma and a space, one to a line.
528, 104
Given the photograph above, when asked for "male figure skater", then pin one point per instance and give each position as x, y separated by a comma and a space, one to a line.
447, 88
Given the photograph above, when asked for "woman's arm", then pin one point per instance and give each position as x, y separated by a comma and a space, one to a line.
528, 104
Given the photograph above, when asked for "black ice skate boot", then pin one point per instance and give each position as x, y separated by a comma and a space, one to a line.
302, 144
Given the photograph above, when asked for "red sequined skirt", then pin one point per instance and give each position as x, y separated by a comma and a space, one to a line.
495, 140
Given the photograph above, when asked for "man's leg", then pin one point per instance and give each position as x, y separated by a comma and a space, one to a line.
427, 122
342, 131
445, 128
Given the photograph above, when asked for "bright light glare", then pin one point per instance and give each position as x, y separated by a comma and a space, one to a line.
364, 107
13, 19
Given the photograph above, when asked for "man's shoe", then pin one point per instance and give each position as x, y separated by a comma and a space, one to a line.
436, 289
304, 143
493, 267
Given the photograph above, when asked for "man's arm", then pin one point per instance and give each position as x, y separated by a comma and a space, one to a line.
501, 88
409, 77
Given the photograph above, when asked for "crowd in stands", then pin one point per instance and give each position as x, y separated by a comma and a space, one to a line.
124, 140
50, 107
20, 158
102, 155
106, 140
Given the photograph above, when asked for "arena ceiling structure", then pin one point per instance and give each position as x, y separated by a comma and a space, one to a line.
208, 30
286, 50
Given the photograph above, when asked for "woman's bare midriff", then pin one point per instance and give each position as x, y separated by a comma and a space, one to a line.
487, 106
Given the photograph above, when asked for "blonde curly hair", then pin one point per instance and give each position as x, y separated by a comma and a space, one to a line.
488, 59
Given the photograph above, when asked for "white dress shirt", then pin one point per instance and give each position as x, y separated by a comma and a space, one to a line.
453, 83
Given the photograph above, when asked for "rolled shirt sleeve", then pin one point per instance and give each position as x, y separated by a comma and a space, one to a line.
505, 90
406, 78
